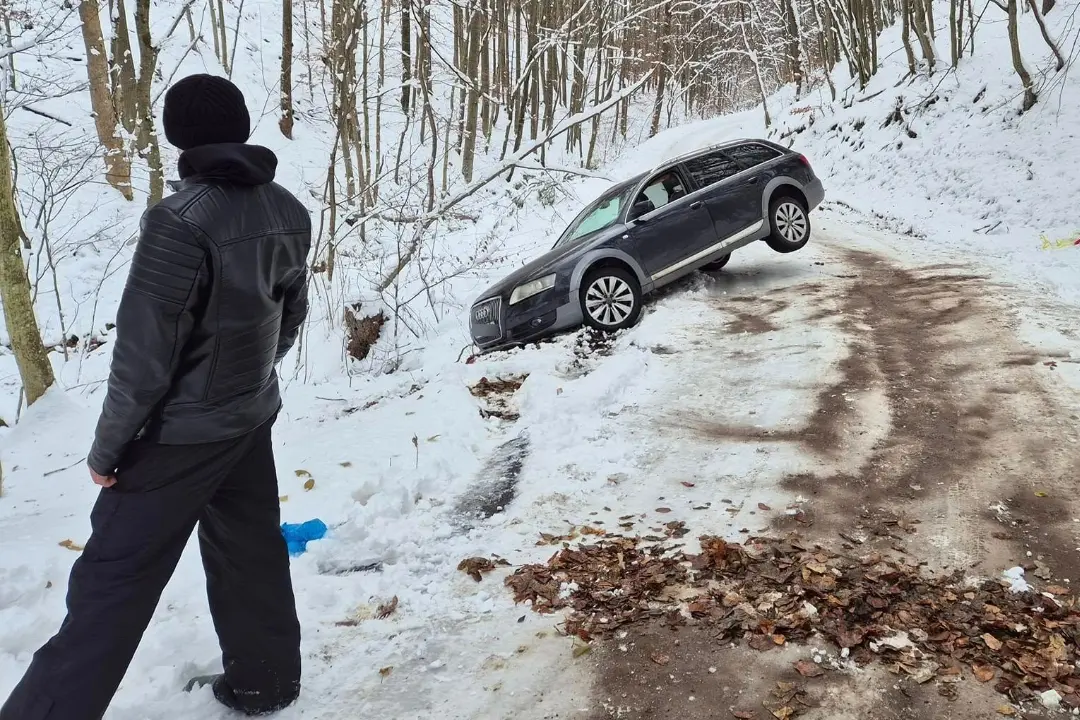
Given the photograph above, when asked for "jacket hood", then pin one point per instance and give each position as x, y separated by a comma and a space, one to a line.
237, 163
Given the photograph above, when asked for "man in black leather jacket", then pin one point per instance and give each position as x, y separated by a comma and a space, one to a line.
215, 297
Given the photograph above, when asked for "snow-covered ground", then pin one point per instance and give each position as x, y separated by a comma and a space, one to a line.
399, 459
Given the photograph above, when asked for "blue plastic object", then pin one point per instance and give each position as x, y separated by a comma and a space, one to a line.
298, 535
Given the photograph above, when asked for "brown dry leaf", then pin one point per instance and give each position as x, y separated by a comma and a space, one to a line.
1040, 493
310, 484
283, 498
660, 658
663, 509
983, 673
698, 607
1056, 651
302, 473
808, 668
778, 639
387, 609
580, 650
760, 642
763, 506
586, 530
385, 672
1006, 710
475, 566
71, 545
687, 484
783, 713
1058, 590
742, 714
991, 642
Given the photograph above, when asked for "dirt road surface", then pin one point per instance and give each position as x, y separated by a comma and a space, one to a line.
938, 420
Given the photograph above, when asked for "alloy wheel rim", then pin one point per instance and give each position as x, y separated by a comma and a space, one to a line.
791, 222
609, 300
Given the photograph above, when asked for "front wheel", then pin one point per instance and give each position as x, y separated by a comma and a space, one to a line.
790, 225
610, 299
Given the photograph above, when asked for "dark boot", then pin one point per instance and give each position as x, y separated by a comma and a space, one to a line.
248, 704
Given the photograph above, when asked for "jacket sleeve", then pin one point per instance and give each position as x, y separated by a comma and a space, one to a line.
153, 323
294, 312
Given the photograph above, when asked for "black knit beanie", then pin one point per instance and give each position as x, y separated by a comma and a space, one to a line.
205, 110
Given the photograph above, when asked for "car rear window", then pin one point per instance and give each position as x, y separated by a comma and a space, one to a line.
753, 154
711, 168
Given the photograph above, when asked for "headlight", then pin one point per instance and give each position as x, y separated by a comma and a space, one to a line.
531, 288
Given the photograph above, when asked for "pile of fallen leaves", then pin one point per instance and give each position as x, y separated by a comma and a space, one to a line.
769, 592
496, 393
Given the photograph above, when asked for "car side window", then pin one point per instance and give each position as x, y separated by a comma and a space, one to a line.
661, 190
711, 168
752, 154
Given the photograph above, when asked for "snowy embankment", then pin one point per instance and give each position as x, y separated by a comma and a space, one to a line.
401, 461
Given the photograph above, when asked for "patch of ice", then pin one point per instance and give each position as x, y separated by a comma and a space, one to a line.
1051, 699
899, 641
1015, 576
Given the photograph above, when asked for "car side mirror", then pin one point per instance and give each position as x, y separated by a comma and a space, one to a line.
640, 209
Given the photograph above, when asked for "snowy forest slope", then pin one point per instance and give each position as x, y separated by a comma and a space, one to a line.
432, 166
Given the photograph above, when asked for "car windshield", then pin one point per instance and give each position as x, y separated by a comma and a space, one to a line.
603, 213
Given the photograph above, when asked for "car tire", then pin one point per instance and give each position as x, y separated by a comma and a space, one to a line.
717, 264
610, 299
789, 223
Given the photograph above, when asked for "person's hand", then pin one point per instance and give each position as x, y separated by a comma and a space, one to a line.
102, 480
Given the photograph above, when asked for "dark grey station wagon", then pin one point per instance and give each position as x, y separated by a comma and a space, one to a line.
691, 212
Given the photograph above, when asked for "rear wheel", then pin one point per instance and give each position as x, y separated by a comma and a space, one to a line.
717, 263
790, 225
610, 299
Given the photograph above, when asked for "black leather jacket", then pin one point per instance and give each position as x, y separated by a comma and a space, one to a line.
215, 297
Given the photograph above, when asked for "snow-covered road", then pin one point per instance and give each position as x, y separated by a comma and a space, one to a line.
865, 380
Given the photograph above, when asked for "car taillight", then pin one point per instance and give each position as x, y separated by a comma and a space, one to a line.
803, 160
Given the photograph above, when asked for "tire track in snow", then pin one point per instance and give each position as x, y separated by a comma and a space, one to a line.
937, 415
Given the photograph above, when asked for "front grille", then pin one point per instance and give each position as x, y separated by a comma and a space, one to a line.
486, 313
486, 319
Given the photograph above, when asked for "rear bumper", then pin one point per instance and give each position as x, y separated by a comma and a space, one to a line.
815, 193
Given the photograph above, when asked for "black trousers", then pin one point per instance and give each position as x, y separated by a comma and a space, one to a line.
140, 527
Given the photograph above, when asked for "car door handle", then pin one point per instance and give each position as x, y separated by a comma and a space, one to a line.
695, 205
752, 181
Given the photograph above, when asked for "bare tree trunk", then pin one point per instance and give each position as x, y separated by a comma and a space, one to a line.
954, 41
406, 56
117, 163
122, 72
1030, 98
214, 32
662, 71
35, 370
794, 44
224, 37
905, 10
925, 41
286, 122
472, 104
146, 140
